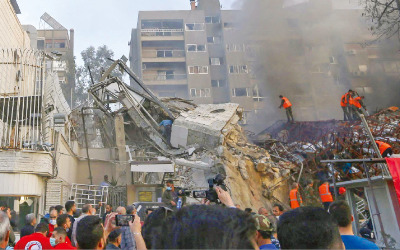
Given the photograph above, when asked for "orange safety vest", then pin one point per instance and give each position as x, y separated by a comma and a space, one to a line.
324, 193
287, 103
356, 102
382, 146
343, 101
294, 202
351, 100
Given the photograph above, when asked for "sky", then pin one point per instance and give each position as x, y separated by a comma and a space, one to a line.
99, 22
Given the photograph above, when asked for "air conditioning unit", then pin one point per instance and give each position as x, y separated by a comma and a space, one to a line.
352, 52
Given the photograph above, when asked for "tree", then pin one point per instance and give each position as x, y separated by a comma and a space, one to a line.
384, 16
98, 62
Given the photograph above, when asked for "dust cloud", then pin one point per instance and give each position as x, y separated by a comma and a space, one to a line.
312, 52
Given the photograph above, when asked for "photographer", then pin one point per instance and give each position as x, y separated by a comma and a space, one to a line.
171, 195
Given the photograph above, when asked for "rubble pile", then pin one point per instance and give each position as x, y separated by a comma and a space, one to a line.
313, 141
220, 145
205, 140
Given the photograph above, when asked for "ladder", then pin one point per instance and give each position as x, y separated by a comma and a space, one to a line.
90, 194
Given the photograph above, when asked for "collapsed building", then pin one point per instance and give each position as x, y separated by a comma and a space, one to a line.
206, 140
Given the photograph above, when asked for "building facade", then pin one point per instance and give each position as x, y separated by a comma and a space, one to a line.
193, 54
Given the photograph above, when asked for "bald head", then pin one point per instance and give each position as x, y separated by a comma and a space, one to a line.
263, 211
121, 210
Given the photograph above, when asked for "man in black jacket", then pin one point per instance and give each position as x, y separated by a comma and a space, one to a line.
29, 227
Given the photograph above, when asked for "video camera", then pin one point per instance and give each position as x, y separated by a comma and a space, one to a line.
211, 194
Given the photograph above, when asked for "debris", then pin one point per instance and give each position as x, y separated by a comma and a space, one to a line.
205, 140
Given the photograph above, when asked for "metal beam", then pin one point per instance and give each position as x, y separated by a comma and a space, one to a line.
144, 87
367, 160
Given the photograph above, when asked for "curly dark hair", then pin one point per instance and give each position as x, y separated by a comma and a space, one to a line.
207, 227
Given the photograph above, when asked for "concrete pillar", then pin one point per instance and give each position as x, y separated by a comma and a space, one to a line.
122, 170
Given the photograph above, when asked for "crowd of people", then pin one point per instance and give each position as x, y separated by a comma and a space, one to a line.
203, 226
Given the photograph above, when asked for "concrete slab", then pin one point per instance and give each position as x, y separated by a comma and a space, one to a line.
179, 136
204, 124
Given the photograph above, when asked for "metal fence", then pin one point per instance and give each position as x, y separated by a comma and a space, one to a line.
21, 97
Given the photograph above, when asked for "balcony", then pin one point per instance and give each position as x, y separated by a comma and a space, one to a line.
163, 56
162, 34
170, 79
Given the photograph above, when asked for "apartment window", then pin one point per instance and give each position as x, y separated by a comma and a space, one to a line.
196, 48
205, 92
162, 24
163, 75
199, 93
164, 53
195, 26
49, 45
193, 92
214, 39
237, 92
59, 45
235, 47
213, 19
216, 60
238, 69
198, 70
218, 83
40, 44
257, 94
229, 25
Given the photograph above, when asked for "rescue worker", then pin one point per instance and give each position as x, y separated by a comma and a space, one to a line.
295, 197
359, 105
310, 199
325, 194
288, 108
166, 128
344, 103
351, 107
384, 148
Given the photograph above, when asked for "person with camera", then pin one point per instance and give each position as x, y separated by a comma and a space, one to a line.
172, 195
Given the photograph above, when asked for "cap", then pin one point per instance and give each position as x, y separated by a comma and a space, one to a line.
263, 223
342, 190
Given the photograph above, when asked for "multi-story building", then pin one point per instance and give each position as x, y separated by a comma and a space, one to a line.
304, 50
193, 54
59, 42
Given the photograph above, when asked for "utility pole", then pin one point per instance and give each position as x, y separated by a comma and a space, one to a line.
87, 145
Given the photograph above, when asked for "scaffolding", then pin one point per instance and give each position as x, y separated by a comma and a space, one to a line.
94, 195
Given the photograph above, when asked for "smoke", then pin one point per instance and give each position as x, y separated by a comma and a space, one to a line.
303, 50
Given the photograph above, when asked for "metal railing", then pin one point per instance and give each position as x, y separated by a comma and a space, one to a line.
172, 77
22, 74
162, 32
163, 53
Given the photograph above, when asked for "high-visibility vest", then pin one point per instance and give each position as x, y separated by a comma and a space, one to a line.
382, 146
356, 102
287, 103
343, 101
350, 100
294, 202
324, 193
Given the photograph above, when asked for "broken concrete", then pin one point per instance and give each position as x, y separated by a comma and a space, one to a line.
203, 125
206, 140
